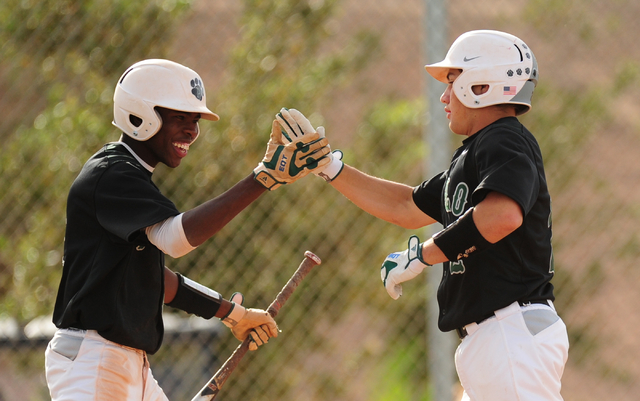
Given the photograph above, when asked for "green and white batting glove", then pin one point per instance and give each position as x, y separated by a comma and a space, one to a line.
295, 125
399, 267
292, 153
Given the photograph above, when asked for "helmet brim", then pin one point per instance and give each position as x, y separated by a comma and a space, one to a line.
209, 115
440, 70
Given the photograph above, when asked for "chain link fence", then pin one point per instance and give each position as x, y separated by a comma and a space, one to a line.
357, 68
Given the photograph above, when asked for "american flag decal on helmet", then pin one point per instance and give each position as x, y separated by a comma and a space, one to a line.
509, 90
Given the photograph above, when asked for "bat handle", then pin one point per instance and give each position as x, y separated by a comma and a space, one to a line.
210, 391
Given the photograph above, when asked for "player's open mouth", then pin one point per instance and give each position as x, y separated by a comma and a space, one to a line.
181, 147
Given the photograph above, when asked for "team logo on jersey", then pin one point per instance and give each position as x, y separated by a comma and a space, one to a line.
457, 267
456, 205
197, 88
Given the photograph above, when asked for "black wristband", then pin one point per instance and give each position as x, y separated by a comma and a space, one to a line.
461, 238
195, 298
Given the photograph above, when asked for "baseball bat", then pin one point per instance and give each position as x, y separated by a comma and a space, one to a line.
211, 389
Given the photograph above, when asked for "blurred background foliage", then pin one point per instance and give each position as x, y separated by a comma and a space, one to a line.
355, 68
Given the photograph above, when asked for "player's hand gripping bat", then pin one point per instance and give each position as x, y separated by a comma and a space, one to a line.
209, 391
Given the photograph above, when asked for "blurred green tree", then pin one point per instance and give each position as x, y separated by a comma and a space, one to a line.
65, 57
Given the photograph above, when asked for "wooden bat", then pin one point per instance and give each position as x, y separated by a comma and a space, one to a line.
210, 391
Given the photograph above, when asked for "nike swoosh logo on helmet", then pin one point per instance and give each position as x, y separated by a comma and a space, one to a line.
466, 60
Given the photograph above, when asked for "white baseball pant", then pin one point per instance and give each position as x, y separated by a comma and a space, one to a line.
517, 355
80, 365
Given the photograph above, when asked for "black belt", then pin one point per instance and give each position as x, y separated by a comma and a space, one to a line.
462, 331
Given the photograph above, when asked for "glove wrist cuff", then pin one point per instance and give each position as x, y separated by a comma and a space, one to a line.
262, 176
235, 314
420, 257
333, 169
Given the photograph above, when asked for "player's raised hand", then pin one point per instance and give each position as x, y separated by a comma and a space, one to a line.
399, 267
295, 126
292, 152
243, 322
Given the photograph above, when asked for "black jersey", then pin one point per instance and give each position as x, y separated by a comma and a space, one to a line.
113, 277
502, 157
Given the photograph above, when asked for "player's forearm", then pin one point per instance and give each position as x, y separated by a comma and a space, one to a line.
204, 221
431, 253
386, 200
171, 283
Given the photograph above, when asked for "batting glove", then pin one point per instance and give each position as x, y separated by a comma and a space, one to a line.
293, 150
399, 267
295, 124
331, 170
243, 322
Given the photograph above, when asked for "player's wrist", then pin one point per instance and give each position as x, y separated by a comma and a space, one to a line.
224, 310
421, 255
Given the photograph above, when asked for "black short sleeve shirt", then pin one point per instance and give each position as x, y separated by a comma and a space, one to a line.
113, 277
502, 157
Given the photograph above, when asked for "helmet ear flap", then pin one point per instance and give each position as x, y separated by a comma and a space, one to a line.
135, 117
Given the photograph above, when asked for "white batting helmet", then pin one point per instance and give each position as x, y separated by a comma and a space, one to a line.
498, 59
152, 83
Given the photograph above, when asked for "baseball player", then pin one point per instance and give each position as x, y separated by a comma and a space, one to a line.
119, 227
495, 206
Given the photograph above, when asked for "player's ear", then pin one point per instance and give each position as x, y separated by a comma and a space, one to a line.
480, 89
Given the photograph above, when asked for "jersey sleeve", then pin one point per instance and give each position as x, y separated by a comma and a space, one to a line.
428, 196
128, 201
506, 164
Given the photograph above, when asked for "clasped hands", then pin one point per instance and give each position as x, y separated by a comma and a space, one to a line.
294, 150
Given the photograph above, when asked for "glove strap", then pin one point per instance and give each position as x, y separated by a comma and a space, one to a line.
333, 169
420, 254
235, 314
265, 179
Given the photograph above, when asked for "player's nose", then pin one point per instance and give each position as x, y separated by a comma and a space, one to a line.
192, 129
446, 95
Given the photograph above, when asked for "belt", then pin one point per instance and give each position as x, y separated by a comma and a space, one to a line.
462, 331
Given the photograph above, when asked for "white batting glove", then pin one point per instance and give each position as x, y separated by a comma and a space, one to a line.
243, 322
399, 267
331, 170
